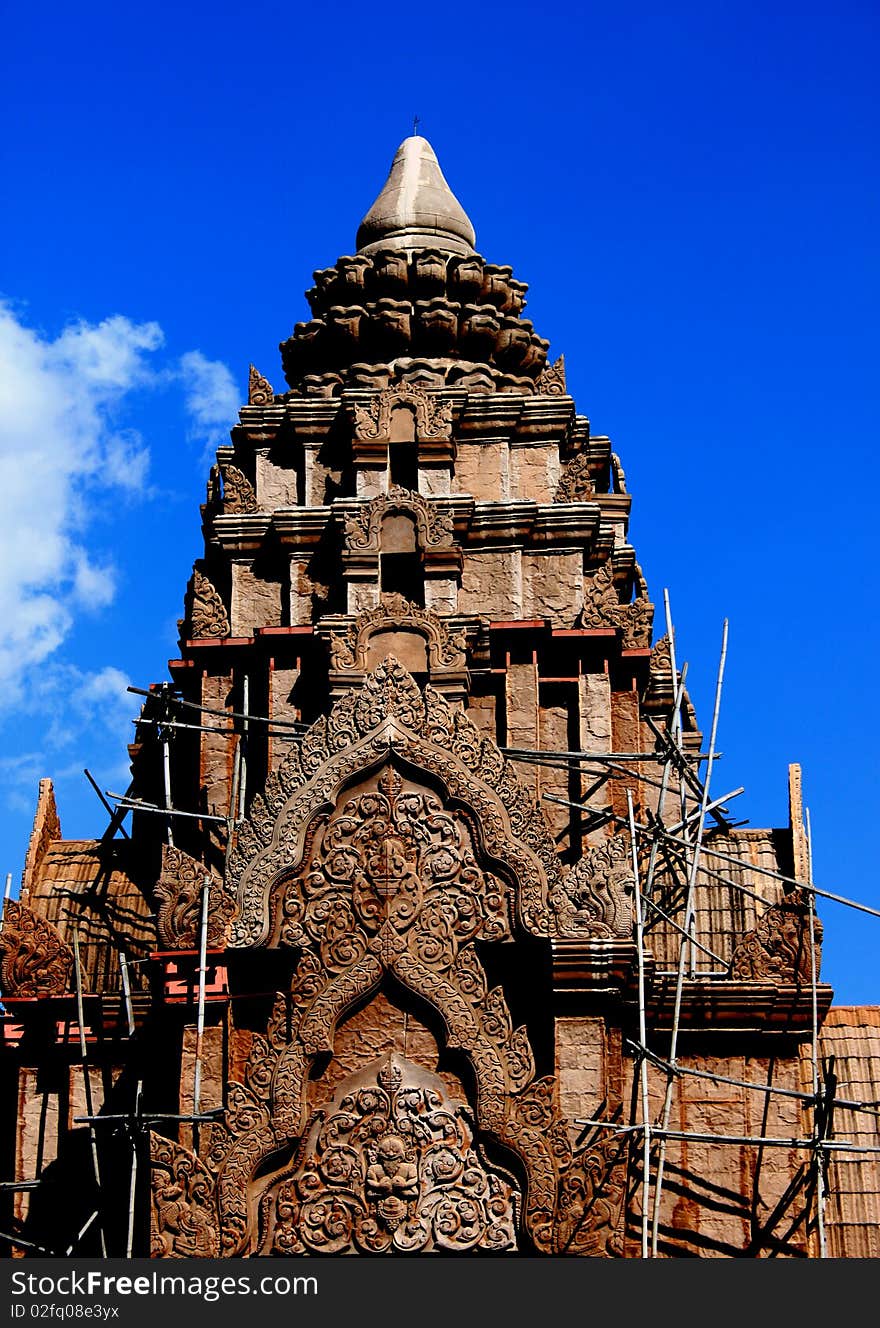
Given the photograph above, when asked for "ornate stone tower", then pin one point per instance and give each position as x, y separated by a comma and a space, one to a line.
415, 713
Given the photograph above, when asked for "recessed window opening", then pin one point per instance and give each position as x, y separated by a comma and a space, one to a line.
403, 449
400, 562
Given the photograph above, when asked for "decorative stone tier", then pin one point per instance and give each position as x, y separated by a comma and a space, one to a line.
458, 314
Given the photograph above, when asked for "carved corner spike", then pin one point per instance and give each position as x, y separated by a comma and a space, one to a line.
207, 617
179, 893
576, 484
260, 391
238, 492
552, 380
34, 960
778, 949
602, 608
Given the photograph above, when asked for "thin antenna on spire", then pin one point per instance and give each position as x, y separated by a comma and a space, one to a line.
416, 123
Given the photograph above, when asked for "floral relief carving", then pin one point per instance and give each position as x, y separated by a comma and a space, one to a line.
389, 711
387, 859
592, 1201
207, 616
366, 868
179, 895
34, 960
389, 1167
183, 1220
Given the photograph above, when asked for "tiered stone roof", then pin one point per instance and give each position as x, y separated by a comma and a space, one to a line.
416, 302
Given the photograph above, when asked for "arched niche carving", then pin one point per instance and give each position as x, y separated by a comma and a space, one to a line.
389, 844
415, 636
373, 415
433, 525
388, 716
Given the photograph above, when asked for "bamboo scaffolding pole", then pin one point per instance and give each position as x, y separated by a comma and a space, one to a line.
135, 805
706, 850
225, 714
741, 1140
146, 1116
818, 1114
21, 1244
660, 758
82, 1231
699, 945
133, 1132
166, 782
112, 812
192, 728
243, 744
200, 1017
688, 915
87, 1083
643, 1065
667, 770
774, 1089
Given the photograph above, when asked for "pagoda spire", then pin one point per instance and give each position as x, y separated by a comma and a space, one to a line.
416, 209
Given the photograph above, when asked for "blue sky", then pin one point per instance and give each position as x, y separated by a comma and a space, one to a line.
690, 190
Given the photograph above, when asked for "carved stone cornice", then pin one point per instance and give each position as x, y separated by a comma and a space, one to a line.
179, 895
238, 492
34, 960
260, 392
602, 608
207, 615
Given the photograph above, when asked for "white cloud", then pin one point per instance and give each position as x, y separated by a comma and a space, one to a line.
61, 449
57, 444
73, 718
211, 395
